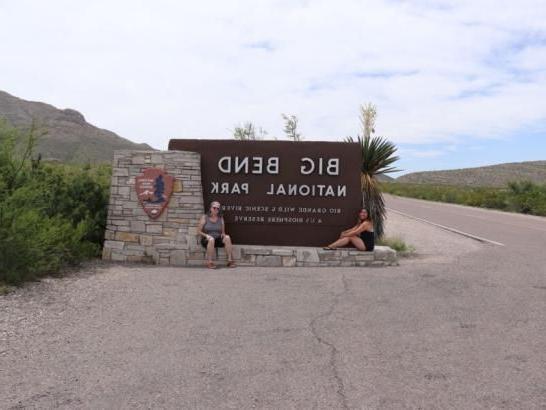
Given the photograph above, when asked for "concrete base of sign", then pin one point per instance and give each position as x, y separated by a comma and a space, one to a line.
287, 256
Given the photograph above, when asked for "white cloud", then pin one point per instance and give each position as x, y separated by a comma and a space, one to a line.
438, 71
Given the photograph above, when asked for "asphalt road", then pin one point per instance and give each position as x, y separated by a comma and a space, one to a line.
461, 325
522, 233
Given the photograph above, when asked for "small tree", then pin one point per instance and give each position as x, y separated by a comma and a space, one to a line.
377, 159
16, 149
291, 127
248, 131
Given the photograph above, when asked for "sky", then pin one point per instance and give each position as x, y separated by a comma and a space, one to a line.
456, 83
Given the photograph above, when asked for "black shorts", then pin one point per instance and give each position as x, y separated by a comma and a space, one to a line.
218, 242
369, 240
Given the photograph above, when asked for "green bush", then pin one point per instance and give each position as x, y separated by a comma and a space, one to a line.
51, 215
527, 198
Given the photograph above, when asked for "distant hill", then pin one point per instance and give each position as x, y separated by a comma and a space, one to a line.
385, 178
69, 137
491, 176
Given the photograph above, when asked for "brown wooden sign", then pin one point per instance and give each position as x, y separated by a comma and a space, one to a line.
154, 188
280, 192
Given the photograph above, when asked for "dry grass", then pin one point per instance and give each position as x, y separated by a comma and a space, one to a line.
4, 289
397, 244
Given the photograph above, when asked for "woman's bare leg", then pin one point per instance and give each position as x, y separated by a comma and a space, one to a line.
358, 243
210, 250
229, 247
339, 243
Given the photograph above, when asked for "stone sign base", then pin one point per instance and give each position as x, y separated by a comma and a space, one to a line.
288, 256
272, 256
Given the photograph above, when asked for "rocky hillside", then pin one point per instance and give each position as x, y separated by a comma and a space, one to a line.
385, 178
492, 176
68, 138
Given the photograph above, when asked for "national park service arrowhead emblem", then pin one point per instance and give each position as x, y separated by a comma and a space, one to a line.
154, 188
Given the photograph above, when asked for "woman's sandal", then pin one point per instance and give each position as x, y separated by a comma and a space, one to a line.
231, 264
329, 248
211, 265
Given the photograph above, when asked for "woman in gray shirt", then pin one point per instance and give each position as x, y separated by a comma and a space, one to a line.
213, 235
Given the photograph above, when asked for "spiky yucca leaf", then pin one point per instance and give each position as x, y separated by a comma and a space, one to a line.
377, 159
377, 155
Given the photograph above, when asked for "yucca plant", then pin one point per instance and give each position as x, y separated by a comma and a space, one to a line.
378, 156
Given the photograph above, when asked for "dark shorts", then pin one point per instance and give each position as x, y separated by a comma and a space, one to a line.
218, 243
369, 240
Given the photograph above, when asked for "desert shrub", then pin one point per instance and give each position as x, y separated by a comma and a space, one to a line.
397, 244
74, 193
51, 215
32, 245
527, 197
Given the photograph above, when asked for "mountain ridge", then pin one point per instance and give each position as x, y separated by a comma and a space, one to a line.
68, 136
497, 175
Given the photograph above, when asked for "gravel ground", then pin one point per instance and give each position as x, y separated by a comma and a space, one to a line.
431, 244
435, 332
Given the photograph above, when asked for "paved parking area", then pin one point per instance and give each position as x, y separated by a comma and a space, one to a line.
455, 327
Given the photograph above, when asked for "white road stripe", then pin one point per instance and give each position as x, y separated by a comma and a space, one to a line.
447, 228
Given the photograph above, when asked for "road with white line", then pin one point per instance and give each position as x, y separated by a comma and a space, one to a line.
521, 233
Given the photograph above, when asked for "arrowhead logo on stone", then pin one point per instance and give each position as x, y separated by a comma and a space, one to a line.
154, 188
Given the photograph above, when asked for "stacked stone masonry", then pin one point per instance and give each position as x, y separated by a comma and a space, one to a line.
171, 239
131, 235
286, 256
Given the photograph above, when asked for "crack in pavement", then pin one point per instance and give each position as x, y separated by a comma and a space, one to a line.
334, 352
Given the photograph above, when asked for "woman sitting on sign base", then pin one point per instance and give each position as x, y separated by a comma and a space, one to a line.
361, 236
212, 229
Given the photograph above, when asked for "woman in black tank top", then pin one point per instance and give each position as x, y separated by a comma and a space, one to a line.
361, 236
